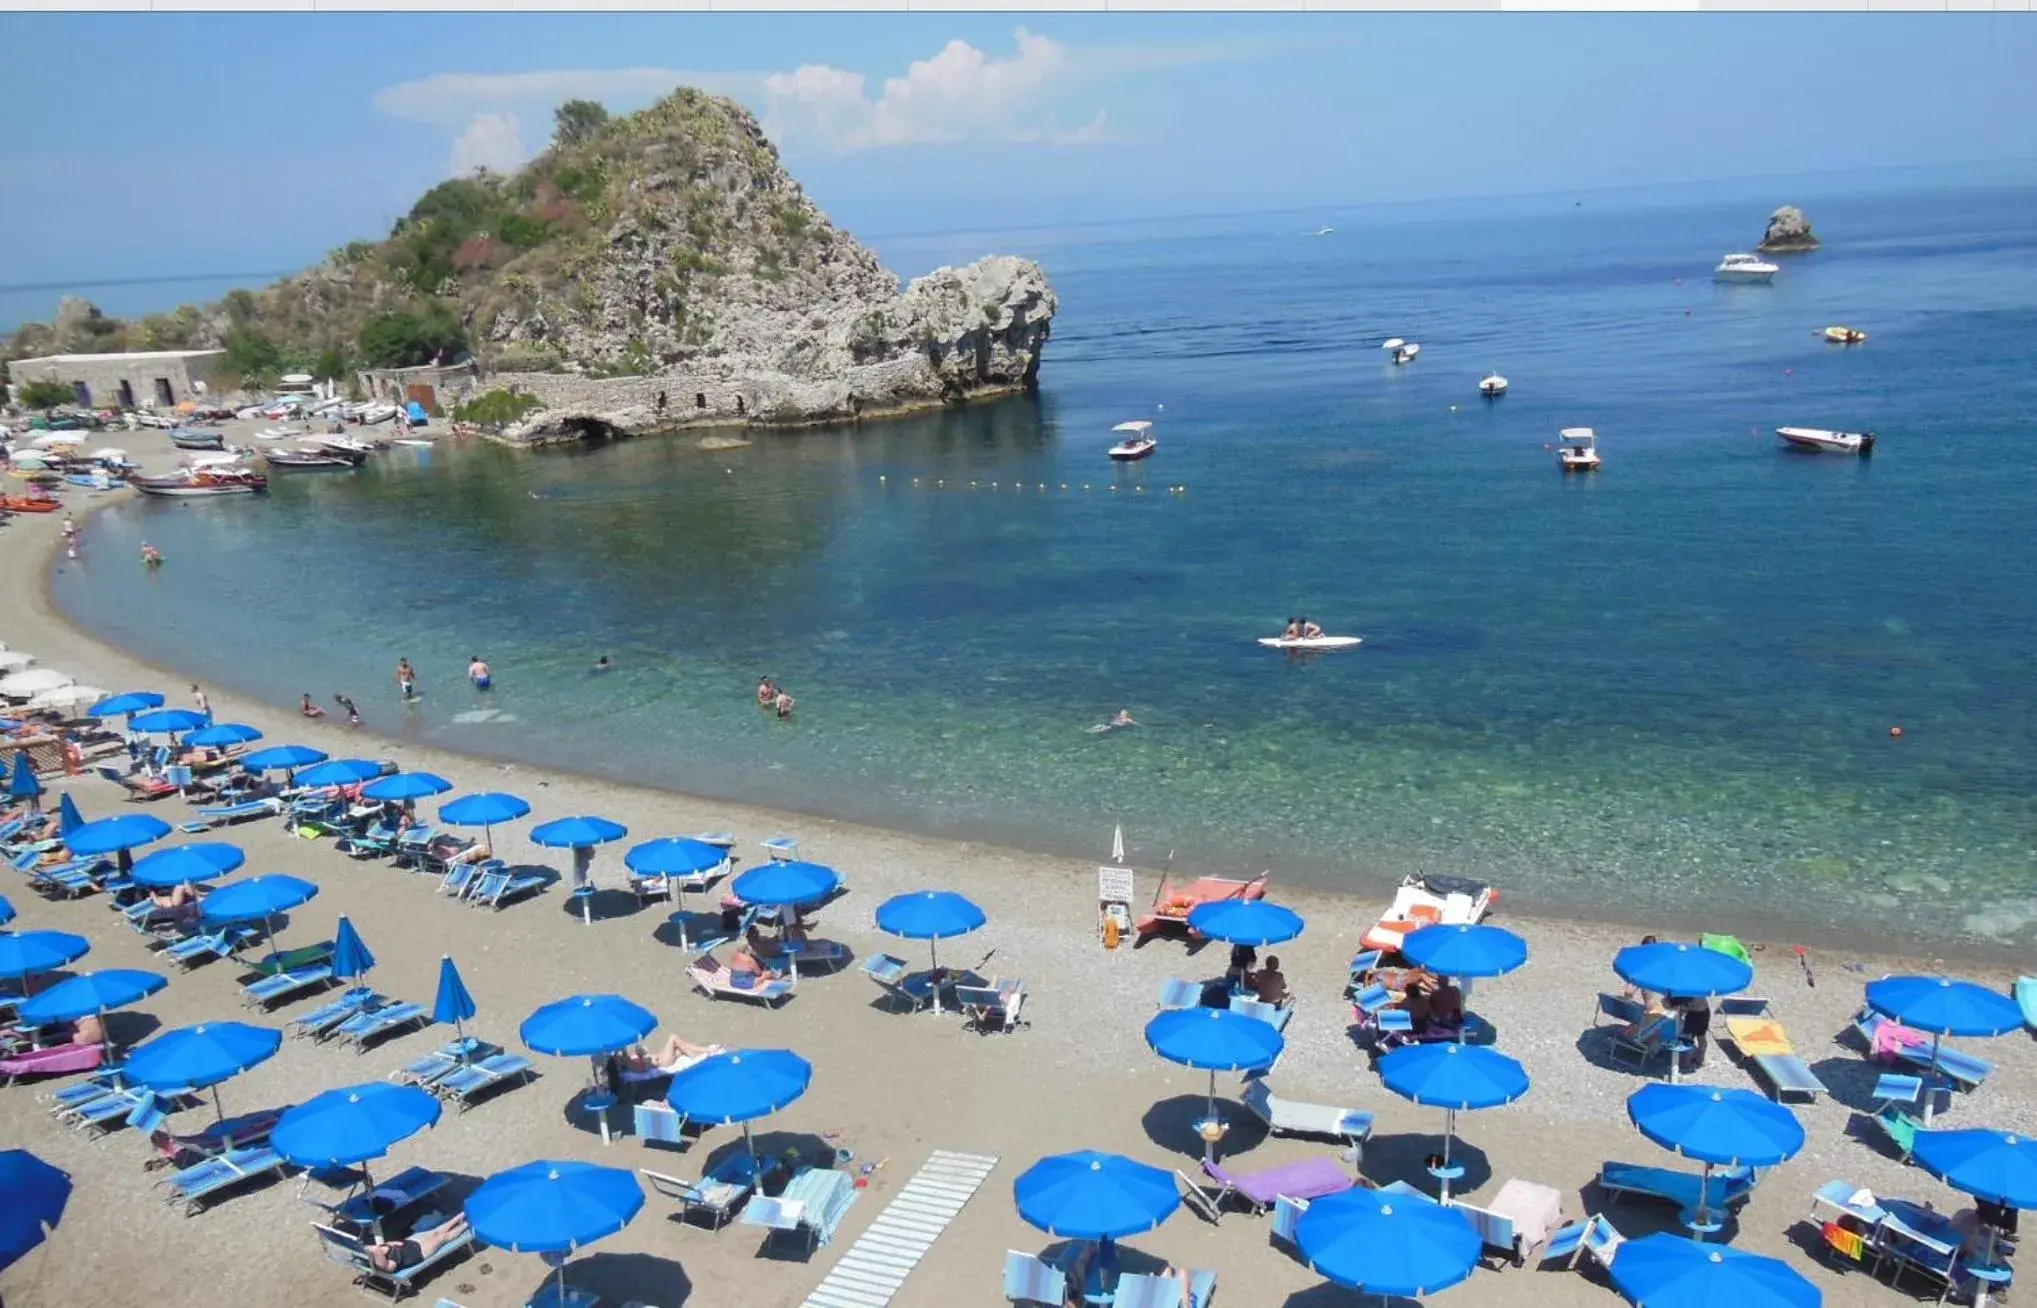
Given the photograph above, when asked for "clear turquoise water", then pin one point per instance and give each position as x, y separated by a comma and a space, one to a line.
1665, 690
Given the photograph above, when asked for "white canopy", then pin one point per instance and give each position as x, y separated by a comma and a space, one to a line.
1393, 344
13, 660
1140, 428
21, 685
1576, 433
66, 697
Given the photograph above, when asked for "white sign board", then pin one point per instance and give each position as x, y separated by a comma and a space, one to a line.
1114, 885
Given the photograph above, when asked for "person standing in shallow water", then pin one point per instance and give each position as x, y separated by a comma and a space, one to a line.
406, 679
478, 673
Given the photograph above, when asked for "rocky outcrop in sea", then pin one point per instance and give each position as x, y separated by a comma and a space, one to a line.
1789, 232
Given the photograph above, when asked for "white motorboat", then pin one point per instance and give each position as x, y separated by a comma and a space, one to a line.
1828, 442
342, 444
1744, 268
1138, 441
375, 413
1325, 231
1493, 386
1402, 351
1577, 450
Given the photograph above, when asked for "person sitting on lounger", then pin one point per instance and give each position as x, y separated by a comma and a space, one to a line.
88, 1030
668, 1057
1268, 984
399, 1255
1446, 1007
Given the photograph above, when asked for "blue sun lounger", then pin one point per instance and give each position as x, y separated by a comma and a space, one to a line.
1272, 1014
469, 1083
268, 990
321, 1020
1139, 1291
221, 815
493, 889
1729, 1185
376, 842
193, 950
351, 1252
110, 1111
811, 1206
100, 1083
1176, 993
1032, 1280
370, 1025
198, 1185
1594, 1238
911, 993
1964, 1069
461, 878
714, 1195
441, 1062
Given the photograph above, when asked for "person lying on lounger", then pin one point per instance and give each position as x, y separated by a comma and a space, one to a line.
397, 1255
672, 1053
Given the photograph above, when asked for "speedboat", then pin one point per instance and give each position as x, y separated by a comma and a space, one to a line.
310, 460
375, 413
1844, 335
1493, 386
1578, 449
1402, 351
1744, 268
1828, 442
1138, 441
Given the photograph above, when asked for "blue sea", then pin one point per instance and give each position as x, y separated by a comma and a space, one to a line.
1662, 693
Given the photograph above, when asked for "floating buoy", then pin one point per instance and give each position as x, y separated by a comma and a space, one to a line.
1085, 485
1113, 488
1453, 408
881, 477
1064, 485
1895, 733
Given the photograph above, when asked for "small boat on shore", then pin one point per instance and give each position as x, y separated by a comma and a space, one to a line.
32, 503
203, 481
1828, 442
311, 460
1844, 335
1577, 449
190, 438
1493, 386
1138, 441
348, 445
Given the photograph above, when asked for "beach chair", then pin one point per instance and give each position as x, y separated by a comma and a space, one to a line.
105, 1079
493, 889
713, 1196
1517, 1220
905, 990
227, 814
319, 1022
445, 852
56, 1060
1641, 1044
1729, 1186
377, 841
80, 876
1595, 1238
375, 1210
459, 879
1763, 1042
998, 1006
1033, 1280
433, 1067
351, 1252
196, 1187
1311, 1178
1897, 1127
366, 1027
1274, 1015
111, 1111
713, 979
1172, 903
193, 950
216, 1138
1363, 965
467, 1084
264, 991
811, 1206
289, 960
142, 786
656, 1122
1176, 993
409, 848
1891, 1041
1370, 1003
1294, 1117
1163, 1290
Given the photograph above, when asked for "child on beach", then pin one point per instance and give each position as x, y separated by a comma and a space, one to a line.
306, 708
353, 714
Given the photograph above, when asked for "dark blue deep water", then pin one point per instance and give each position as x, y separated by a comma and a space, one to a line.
1665, 689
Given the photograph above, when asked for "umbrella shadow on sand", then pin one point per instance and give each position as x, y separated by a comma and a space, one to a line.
1170, 1124
624, 1278
602, 903
128, 1028
1332, 1295
1390, 1158
806, 1148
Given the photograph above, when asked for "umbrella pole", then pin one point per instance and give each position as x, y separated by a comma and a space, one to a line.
218, 1113
751, 1145
934, 953
1703, 1218
1931, 1079
1449, 1130
1209, 1145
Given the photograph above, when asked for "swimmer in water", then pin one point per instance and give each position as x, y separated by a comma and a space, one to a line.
602, 664
767, 693
478, 673
1124, 719
353, 714
308, 709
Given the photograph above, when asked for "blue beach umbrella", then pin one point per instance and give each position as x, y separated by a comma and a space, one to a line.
1473, 951
183, 865
1718, 1127
353, 1124
1665, 1270
6, 911
587, 1025
577, 832
1992, 1165
1089, 1195
22, 782
167, 721
405, 785
932, 916
339, 772
350, 957
1245, 921
28, 953
484, 810
740, 1086
282, 758
221, 734
125, 704
91, 995
116, 835
786, 885
32, 1199
1215, 1039
674, 856
1681, 970
1943, 1007
1386, 1244
69, 819
1455, 1078
258, 899
195, 1057
453, 1005
553, 1206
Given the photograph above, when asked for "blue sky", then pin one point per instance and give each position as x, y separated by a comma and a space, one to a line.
256, 142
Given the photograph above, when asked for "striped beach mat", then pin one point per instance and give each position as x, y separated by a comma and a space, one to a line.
873, 1268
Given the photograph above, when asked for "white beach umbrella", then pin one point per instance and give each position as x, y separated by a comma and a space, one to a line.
66, 698
14, 660
21, 685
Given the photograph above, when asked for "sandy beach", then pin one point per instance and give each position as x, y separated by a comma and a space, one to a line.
889, 1087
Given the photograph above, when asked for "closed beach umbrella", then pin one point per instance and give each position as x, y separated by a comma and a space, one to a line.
484, 810
221, 734
1943, 1007
1455, 1078
740, 1086
553, 1206
183, 865
30, 953
282, 758
1089, 1195
932, 916
786, 885
1215, 1039
1470, 951
587, 1026
340, 772
1245, 921
353, 1124
350, 957
116, 835
167, 721
453, 1005
32, 682
1387, 1244
32, 1199
1667, 1271
1718, 1127
23, 784
1681, 970
405, 785
69, 819
6, 911
195, 1057
127, 702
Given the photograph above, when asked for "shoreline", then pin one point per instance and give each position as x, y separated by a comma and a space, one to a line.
1752, 928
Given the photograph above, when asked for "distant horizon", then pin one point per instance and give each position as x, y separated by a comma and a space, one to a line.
12, 319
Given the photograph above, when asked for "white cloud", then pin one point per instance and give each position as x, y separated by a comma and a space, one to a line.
491, 141
451, 99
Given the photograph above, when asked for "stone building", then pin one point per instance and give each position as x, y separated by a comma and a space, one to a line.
145, 379
435, 386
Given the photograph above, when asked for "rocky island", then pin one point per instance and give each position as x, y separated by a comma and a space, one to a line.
645, 273
1789, 232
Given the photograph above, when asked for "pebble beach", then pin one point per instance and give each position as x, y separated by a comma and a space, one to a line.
889, 1088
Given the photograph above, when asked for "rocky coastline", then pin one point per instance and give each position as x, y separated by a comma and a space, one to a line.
1788, 232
